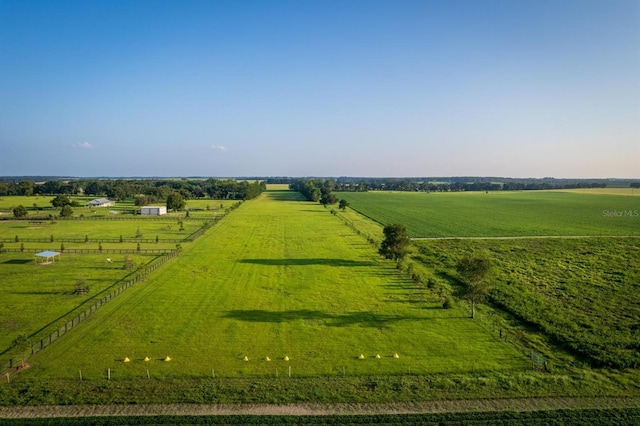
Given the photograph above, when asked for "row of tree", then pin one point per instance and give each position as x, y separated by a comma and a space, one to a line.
473, 270
408, 185
153, 189
316, 190
459, 184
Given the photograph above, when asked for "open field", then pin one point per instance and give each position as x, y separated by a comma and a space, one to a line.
283, 277
582, 292
501, 214
279, 277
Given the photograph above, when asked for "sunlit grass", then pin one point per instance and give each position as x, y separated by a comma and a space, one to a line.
501, 214
278, 277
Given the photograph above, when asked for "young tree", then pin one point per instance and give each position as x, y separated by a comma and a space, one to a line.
396, 242
19, 212
474, 271
343, 204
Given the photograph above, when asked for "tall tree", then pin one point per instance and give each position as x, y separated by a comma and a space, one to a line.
60, 201
19, 212
328, 198
343, 204
175, 201
474, 272
66, 211
396, 242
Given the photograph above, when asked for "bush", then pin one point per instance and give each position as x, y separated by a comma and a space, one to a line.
447, 303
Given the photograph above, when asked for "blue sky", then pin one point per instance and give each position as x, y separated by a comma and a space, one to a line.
327, 88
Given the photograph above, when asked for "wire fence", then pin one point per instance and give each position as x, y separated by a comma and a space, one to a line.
142, 275
71, 324
87, 251
92, 240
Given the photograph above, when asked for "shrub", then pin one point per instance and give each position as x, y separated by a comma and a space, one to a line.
447, 303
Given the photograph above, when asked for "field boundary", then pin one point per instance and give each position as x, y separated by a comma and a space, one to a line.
70, 325
92, 240
87, 251
520, 237
319, 409
11, 364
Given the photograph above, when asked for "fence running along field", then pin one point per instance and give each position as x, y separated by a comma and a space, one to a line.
93, 240
69, 325
86, 251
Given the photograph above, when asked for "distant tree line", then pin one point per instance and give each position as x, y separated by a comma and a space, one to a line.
454, 184
145, 191
316, 190
457, 186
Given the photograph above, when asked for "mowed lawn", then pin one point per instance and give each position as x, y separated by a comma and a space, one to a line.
277, 277
501, 214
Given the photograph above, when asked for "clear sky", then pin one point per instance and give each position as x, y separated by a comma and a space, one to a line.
521, 88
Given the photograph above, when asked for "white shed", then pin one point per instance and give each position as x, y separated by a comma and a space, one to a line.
153, 210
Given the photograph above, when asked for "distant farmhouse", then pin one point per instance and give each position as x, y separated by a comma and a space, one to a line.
153, 210
100, 202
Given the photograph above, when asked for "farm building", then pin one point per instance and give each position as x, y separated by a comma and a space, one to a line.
100, 202
153, 210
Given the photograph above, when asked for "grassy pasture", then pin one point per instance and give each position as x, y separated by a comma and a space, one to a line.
583, 292
501, 214
97, 229
200, 208
34, 300
7, 203
278, 277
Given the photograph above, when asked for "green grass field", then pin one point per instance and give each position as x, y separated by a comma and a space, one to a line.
278, 277
501, 214
583, 292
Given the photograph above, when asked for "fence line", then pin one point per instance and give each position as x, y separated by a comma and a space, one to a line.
46, 219
71, 324
91, 240
142, 275
87, 251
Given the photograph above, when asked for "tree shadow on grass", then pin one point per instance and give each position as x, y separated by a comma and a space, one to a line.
363, 319
17, 262
284, 195
306, 262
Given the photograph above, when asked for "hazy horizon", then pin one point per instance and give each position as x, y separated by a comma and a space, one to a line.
525, 89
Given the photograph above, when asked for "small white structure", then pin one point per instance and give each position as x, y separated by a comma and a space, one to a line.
153, 210
46, 257
100, 202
